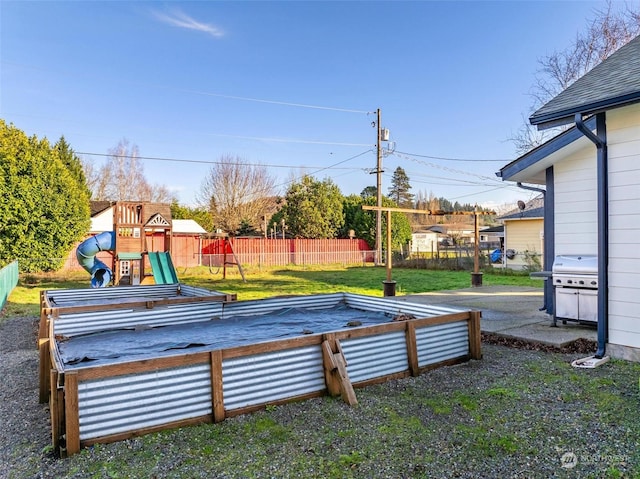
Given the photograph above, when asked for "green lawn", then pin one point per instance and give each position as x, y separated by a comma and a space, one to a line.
25, 299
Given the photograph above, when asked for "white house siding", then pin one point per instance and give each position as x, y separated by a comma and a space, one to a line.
424, 243
623, 136
103, 221
523, 235
576, 221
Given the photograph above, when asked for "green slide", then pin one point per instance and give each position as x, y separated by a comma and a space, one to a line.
162, 267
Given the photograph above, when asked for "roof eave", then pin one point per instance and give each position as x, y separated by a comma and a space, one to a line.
565, 117
539, 153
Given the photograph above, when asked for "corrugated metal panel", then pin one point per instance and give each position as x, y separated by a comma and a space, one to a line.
264, 306
441, 342
132, 402
59, 297
264, 378
83, 323
394, 306
375, 356
70, 297
196, 292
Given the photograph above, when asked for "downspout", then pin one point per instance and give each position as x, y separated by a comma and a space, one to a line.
548, 247
600, 140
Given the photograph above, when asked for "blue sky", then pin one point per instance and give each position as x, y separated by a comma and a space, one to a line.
291, 85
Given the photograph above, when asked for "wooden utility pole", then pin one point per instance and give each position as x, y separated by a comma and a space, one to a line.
379, 193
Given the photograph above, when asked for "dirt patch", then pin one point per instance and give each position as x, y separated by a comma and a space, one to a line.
578, 346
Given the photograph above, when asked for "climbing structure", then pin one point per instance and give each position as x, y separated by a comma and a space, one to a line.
139, 228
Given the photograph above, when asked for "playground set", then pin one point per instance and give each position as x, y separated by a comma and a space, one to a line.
134, 227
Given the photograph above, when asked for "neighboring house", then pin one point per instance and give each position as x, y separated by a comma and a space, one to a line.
492, 236
524, 236
592, 177
425, 241
458, 233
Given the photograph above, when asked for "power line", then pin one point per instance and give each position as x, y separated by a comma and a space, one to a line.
445, 168
444, 158
216, 162
273, 102
196, 92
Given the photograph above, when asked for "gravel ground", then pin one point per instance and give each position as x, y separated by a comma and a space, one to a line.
519, 412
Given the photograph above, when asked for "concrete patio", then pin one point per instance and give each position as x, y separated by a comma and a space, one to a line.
512, 311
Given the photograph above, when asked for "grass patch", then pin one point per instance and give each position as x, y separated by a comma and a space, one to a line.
260, 284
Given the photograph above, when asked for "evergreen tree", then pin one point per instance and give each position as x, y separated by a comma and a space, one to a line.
369, 192
72, 162
399, 190
44, 208
363, 222
313, 209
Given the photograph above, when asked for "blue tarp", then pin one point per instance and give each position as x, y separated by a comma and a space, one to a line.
130, 345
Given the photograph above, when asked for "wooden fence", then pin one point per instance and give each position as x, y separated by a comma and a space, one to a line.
281, 252
188, 251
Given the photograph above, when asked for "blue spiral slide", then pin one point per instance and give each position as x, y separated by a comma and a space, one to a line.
86, 253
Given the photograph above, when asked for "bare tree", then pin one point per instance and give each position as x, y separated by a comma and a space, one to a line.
122, 178
237, 192
610, 29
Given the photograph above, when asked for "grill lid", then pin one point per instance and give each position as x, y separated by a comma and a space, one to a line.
575, 264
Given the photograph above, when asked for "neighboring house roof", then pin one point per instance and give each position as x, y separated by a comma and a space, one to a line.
492, 229
187, 227
532, 209
451, 228
610, 84
98, 207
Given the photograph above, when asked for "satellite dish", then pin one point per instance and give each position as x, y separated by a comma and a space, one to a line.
521, 205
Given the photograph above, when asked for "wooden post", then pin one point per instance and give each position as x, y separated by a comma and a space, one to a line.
56, 411
217, 397
388, 245
412, 349
71, 413
44, 369
335, 367
475, 348
476, 249
329, 366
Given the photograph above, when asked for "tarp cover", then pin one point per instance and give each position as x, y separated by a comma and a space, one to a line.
130, 345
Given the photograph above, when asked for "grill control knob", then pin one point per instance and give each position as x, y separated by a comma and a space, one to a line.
594, 283
569, 281
581, 282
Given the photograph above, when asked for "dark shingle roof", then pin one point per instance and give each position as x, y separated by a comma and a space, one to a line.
614, 82
98, 207
533, 209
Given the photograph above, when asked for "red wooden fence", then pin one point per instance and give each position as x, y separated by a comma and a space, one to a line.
189, 251
281, 252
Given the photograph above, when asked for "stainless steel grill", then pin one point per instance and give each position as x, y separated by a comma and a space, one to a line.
575, 281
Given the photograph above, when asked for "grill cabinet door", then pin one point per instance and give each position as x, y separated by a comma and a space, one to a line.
567, 303
588, 305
